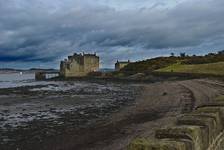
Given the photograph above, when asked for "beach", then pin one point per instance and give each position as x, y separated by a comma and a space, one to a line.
32, 112
68, 115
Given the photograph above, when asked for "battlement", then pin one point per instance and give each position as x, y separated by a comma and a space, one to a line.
79, 65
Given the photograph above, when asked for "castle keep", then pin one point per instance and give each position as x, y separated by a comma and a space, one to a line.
79, 65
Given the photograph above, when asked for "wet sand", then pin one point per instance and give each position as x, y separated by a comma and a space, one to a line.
30, 115
136, 112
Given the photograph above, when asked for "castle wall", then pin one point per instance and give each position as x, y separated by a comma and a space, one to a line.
79, 65
120, 65
74, 68
91, 63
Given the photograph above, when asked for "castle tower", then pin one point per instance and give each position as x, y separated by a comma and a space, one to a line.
79, 65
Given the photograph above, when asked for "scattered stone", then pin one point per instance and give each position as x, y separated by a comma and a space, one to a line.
164, 93
5, 111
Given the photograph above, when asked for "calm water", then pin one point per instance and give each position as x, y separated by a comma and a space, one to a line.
8, 80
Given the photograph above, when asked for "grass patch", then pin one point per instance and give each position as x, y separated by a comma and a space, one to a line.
220, 98
210, 68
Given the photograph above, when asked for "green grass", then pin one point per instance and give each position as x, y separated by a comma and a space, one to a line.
220, 98
210, 68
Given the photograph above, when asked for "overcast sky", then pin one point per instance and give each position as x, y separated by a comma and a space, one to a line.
40, 33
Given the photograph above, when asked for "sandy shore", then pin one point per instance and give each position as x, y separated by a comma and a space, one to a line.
157, 106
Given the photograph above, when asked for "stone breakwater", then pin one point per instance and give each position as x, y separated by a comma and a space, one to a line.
201, 129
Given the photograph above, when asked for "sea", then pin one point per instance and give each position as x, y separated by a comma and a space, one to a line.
19, 79
16, 79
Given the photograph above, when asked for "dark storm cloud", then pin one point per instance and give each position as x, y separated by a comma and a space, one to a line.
39, 30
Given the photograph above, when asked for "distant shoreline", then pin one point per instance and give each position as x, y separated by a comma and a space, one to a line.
25, 70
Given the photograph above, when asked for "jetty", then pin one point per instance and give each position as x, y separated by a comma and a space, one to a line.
44, 75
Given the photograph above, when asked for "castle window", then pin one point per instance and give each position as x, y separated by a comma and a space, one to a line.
68, 66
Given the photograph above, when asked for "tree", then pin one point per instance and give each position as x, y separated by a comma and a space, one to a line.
182, 54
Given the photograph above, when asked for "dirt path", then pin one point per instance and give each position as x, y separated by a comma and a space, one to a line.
158, 106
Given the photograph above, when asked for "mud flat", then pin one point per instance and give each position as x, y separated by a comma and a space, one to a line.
95, 116
33, 115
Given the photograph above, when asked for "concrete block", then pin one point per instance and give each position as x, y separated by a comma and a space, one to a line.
218, 112
216, 116
192, 133
213, 104
207, 125
210, 109
152, 144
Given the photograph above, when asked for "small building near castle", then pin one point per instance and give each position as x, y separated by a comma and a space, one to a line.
121, 64
79, 65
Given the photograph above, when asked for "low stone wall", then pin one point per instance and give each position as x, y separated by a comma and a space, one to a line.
201, 129
40, 76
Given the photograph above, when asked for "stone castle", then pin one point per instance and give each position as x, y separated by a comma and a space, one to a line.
121, 64
79, 65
